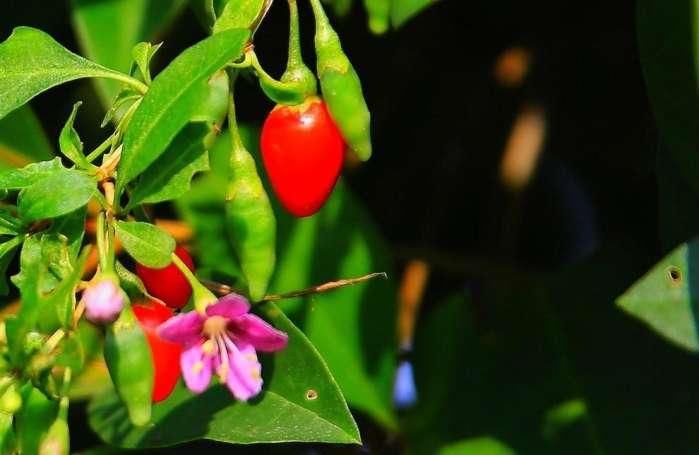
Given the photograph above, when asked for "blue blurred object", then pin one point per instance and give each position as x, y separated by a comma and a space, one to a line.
404, 390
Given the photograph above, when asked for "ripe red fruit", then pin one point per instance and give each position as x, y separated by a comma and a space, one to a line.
302, 151
166, 355
168, 284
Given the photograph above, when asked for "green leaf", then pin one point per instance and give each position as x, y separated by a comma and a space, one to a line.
282, 413
669, 50
485, 445
95, 23
143, 53
146, 243
32, 62
7, 250
16, 179
404, 10
48, 197
170, 175
69, 141
667, 297
174, 96
29, 283
22, 139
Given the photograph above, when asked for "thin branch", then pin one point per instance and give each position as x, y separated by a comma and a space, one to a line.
223, 289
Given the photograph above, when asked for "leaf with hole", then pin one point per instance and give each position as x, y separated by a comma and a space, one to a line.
666, 298
300, 402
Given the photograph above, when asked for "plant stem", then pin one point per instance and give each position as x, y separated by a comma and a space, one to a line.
133, 82
224, 289
202, 296
100, 149
100, 237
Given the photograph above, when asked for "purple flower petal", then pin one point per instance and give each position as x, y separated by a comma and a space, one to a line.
244, 378
184, 328
196, 368
229, 306
251, 329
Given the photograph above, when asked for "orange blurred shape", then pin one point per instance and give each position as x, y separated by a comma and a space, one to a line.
410, 294
523, 148
512, 66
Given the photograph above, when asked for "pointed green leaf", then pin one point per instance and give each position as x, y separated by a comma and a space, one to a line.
300, 402
241, 14
9, 223
667, 297
142, 54
146, 243
33, 421
174, 96
44, 200
32, 62
170, 175
69, 141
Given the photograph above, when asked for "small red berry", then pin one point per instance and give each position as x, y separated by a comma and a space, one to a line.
168, 284
302, 151
166, 355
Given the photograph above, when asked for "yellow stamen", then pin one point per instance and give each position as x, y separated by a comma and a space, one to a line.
208, 347
197, 367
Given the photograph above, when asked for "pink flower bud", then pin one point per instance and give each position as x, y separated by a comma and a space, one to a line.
103, 301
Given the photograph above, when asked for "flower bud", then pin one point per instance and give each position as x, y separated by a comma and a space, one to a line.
104, 300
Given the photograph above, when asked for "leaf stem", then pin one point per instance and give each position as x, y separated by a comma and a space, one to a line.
201, 295
133, 82
100, 237
100, 149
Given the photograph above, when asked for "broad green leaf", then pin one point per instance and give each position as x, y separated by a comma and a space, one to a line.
72, 226
300, 402
7, 436
136, 20
667, 297
130, 282
33, 421
669, 49
69, 141
32, 62
16, 179
174, 96
22, 139
56, 195
170, 175
7, 250
146, 243
485, 445
404, 10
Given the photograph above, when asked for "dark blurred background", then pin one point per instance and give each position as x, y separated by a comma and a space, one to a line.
515, 156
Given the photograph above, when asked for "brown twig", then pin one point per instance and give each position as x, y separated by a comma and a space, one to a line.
223, 289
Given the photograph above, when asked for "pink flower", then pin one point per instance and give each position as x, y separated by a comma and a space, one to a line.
225, 339
103, 301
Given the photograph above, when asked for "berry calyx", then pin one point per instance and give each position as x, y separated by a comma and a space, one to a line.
302, 151
166, 355
168, 284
